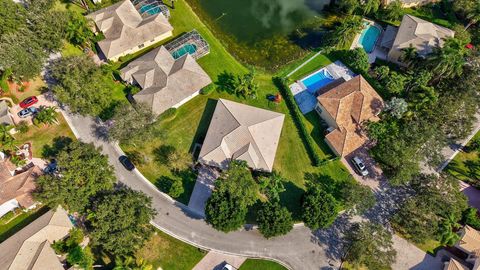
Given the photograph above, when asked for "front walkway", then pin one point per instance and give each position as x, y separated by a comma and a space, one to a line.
203, 189
216, 261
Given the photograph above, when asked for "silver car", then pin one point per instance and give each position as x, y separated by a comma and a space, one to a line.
360, 166
27, 112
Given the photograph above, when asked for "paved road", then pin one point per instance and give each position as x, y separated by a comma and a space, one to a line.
299, 249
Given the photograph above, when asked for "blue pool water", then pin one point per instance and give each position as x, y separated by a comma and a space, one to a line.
150, 9
317, 81
187, 48
369, 37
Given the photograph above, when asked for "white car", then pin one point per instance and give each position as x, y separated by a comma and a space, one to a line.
227, 267
360, 166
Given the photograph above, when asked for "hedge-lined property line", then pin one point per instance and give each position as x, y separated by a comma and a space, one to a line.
297, 119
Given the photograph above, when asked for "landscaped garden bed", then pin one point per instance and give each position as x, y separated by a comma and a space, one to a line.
466, 164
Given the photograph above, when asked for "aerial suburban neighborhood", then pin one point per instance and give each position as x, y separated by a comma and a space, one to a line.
239, 134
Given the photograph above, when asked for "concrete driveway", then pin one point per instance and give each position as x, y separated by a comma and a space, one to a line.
216, 261
203, 189
375, 176
42, 101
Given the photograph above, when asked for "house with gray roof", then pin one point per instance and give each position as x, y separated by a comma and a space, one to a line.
30, 248
5, 118
126, 31
419, 34
242, 132
166, 82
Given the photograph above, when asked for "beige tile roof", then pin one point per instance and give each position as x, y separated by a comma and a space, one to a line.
350, 104
242, 132
19, 187
5, 118
421, 34
30, 247
124, 28
454, 265
165, 81
470, 240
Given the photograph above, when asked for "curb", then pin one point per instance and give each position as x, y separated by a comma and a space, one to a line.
216, 250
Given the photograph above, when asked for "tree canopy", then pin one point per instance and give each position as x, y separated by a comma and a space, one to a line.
82, 174
319, 208
274, 220
120, 221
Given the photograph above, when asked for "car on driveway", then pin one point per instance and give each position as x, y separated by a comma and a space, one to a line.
126, 163
28, 102
227, 267
27, 112
359, 166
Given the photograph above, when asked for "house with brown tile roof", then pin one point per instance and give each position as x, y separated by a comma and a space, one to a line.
345, 108
242, 132
30, 248
469, 244
16, 188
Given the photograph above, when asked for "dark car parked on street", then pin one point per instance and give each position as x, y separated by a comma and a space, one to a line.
126, 163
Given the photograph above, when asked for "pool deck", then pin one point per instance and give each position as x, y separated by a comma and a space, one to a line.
372, 56
307, 101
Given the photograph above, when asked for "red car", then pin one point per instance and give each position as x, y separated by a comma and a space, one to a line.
28, 102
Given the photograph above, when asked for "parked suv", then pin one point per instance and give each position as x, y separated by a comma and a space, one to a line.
27, 112
359, 166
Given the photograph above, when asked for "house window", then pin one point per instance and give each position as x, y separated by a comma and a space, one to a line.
318, 109
141, 46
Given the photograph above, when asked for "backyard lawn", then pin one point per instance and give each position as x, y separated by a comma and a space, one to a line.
16, 224
317, 62
192, 119
167, 253
42, 135
466, 166
254, 264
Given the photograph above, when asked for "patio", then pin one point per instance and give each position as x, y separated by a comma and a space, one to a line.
306, 98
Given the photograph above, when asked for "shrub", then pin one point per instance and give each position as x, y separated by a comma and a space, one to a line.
168, 114
274, 220
207, 90
297, 119
356, 59
470, 217
319, 208
22, 127
171, 186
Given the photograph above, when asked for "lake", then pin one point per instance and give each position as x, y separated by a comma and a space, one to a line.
250, 21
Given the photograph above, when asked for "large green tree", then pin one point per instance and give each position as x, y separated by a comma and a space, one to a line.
235, 190
12, 17
319, 208
448, 61
370, 245
343, 34
120, 221
274, 219
82, 85
83, 172
132, 119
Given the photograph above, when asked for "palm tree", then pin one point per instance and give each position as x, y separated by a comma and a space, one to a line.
447, 235
131, 263
474, 14
410, 55
370, 6
449, 61
47, 115
346, 30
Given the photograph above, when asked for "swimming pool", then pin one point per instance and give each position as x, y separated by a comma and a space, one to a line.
317, 80
187, 48
369, 37
151, 9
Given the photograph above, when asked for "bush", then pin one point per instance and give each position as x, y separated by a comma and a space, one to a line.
274, 220
22, 127
356, 59
470, 217
169, 114
319, 208
297, 119
171, 186
207, 90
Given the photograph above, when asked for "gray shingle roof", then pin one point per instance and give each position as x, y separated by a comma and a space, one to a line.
421, 34
5, 118
242, 132
165, 81
124, 28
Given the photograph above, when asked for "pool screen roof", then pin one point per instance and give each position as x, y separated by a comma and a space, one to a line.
193, 38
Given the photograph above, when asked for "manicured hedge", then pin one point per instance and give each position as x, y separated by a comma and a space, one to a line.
297, 118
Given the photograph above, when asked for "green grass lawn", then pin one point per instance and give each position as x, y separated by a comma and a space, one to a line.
191, 122
42, 135
169, 253
318, 62
255, 264
20, 221
466, 166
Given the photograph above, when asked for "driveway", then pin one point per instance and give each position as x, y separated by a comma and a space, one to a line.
203, 189
42, 101
216, 261
375, 175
